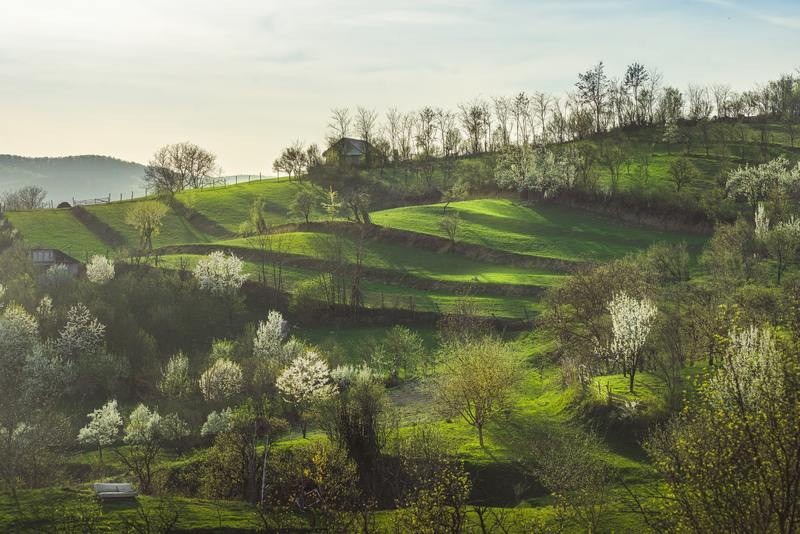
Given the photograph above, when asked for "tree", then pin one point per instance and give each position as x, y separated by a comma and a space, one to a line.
217, 422
631, 322
175, 381
293, 160
146, 217
103, 428
729, 459
755, 184
143, 435
593, 89
365, 128
222, 381
331, 204
400, 349
477, 381
100, 270
449, 224
339, 125
29, 197
612, 156
682, 172
672, 133
176, 167
537, 170
270, 336
782, 242
306, 380
304, 202
82, 335
220, 274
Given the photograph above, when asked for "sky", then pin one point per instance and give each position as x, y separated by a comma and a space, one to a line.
246, 78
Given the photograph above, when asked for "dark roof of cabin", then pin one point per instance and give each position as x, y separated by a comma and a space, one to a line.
349, 147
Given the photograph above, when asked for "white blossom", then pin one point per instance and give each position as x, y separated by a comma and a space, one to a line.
220, 274
44, 310
104, 426
631, 321
19, 331
762, 222
222, 380
217, 422
100, 270
751, 366
346, 375
269, 339
173, 428
175, 381
755, 183
82, 334
57, 275
306, 379
144, 426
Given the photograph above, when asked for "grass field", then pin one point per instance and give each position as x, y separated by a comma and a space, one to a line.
543, 230
59, 229
405, 259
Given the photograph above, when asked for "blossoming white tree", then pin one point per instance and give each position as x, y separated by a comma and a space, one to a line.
631, 322
100, 270
755, 183
175, 381
217, 422
103, 428
220, 274
221, 381
306, 380
143, 434
82, 334
270, 335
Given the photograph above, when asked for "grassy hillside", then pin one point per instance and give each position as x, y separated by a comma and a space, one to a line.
544, 230
59, 229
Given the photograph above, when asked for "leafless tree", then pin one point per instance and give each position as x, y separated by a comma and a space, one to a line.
29, 197
339, 125
520, 111
593, 90
721, 94
179, 166
502, 112
366, 120
541, 105
426, 131
394, 132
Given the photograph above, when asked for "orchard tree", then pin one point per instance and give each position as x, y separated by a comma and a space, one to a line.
400, 349
144, 436
82, 335
176, 167
146, 218
729, 459
220, 274
449, 224
217, 423
222, 381
756, 183
175, 381
306, 380
631, 322
304, 201
100, 270
682, 172
536, 170
477, 381
103, 429
782, 242
672, 133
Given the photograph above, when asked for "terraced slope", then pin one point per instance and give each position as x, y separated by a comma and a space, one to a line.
59, 229
548, 231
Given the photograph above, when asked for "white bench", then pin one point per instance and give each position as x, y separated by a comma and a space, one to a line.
114, 490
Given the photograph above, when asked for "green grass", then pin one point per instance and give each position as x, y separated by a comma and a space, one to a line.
57, 229
542, 230
413, 261
230, 206
174, 228
391, 296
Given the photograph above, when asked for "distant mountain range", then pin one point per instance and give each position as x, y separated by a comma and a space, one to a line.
78, 177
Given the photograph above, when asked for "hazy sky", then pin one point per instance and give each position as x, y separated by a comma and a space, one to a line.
244, 78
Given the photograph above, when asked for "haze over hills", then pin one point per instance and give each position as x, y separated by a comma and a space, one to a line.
65, 178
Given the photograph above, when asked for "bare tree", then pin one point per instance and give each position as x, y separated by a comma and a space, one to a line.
541, 105
593, 89
29, 197
339, 125
176, 167
502, 112
426, 131
722, 93
520, 111
473, 119
394, 131
366, 120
